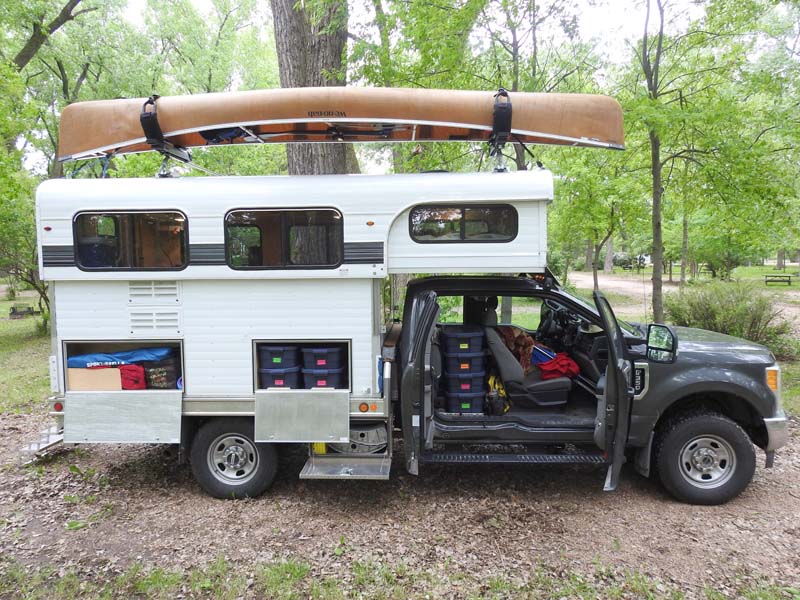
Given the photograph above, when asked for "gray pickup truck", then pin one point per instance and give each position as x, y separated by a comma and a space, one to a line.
685, 404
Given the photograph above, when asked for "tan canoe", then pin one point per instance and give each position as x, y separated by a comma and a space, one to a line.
336, 114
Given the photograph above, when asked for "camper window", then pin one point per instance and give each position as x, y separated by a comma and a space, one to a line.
280, 239
447, 223
130, 241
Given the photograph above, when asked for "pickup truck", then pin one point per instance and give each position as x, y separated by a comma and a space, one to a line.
685, 405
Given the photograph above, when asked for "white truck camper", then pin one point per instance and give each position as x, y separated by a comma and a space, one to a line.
226, 315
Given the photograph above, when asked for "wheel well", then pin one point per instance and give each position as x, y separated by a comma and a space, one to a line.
735, 408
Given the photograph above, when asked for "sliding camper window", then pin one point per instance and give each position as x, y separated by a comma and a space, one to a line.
284, 239
130, 241
444, 223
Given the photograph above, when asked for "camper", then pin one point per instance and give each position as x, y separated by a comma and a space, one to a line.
229, 316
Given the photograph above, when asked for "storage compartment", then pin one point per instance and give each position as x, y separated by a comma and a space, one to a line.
461, 338
278, 357
324, 378
465, 403
302, 364
465, 383
288, 378
112, 366
465, 362
319, 357
364, 439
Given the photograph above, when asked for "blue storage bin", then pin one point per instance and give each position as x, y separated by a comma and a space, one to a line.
465, 403
277, 357
325, 378
288, 378
462, 338
465, 383
323, 357
465, 362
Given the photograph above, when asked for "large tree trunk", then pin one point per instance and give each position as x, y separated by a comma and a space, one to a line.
608, 264
589, 255
657, 254
781, 263
310, 52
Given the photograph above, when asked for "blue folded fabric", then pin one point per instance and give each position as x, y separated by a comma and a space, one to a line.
114, 359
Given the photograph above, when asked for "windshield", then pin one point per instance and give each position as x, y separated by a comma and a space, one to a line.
625, 326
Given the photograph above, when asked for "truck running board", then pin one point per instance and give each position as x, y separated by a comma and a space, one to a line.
347, 466
466, 458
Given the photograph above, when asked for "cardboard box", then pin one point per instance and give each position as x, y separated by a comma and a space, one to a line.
94, 380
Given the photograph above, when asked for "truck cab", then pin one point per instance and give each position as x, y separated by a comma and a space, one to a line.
470, 390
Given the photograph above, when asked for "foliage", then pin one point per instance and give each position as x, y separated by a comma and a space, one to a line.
737, 309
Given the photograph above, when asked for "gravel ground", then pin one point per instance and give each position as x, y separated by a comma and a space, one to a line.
99, 509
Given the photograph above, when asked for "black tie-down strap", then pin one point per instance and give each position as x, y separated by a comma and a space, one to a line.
501, 122
154, 135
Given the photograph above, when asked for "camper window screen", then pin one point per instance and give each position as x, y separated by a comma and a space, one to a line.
438, 224
280, 239
130, 241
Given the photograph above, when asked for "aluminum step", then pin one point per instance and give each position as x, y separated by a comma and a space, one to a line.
467, 458
347, 466
50, 438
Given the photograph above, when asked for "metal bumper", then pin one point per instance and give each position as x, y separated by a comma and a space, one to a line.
777, 431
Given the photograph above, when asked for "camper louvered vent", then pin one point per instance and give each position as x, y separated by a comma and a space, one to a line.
154, 292
150, 322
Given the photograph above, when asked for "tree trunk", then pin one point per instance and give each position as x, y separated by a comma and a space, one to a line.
684, 246
608, 265
41, 32
781, 259
310, 55
589, 254
657, 252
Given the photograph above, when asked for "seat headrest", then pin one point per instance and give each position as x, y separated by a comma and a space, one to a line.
491, 302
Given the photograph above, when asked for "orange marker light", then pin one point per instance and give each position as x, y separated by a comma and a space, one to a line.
772, 380
370, 223
374, 407
363, 407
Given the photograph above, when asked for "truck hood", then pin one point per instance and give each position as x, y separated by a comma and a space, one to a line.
724, 346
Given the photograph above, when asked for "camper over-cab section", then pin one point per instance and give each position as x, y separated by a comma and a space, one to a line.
292, 227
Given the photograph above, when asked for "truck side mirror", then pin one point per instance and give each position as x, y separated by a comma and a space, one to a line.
661, 343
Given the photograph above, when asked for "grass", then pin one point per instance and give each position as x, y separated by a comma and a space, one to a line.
24, 378
290, 580
790, 373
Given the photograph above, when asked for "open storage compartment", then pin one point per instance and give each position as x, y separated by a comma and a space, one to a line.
116, 403
302, 364
107, 366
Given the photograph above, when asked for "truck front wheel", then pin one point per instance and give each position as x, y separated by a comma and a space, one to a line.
704, 458
227, 463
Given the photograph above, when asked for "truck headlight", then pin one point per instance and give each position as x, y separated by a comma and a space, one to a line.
774, 383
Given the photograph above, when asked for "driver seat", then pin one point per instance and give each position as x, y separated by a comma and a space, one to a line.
525, 391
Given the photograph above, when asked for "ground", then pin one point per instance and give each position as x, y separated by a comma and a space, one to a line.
129, 521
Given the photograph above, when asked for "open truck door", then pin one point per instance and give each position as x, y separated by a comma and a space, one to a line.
416, 393
614, 407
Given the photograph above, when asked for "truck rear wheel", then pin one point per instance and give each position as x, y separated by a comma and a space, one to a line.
704, 458
227, 463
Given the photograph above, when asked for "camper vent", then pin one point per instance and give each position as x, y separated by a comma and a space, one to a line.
148, 322
153, 292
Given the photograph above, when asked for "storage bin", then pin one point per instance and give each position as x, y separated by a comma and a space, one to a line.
461, 338
161, 374
465, 383
330, 378
465, 362
288, 378
277, 357
323, 358
465, 403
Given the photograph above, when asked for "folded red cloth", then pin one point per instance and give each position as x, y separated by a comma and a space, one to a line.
561, 366
132, 377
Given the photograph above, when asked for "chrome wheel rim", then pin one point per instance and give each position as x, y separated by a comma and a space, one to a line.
707, 461
232, 458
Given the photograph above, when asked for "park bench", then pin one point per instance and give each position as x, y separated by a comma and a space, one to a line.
778, 279
20, 311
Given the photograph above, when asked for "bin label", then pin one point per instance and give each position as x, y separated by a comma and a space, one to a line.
279, 382
322, 382
464, 346
465, 405
321, 362
277, 359
464, 386
464, 366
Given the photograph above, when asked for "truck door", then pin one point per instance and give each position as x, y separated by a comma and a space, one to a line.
613, 408
416, 401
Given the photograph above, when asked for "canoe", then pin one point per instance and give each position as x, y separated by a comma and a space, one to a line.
337, 114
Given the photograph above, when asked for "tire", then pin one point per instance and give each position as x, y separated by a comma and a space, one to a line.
704, 458
227, 463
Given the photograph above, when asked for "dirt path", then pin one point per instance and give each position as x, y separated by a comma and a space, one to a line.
100, 508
